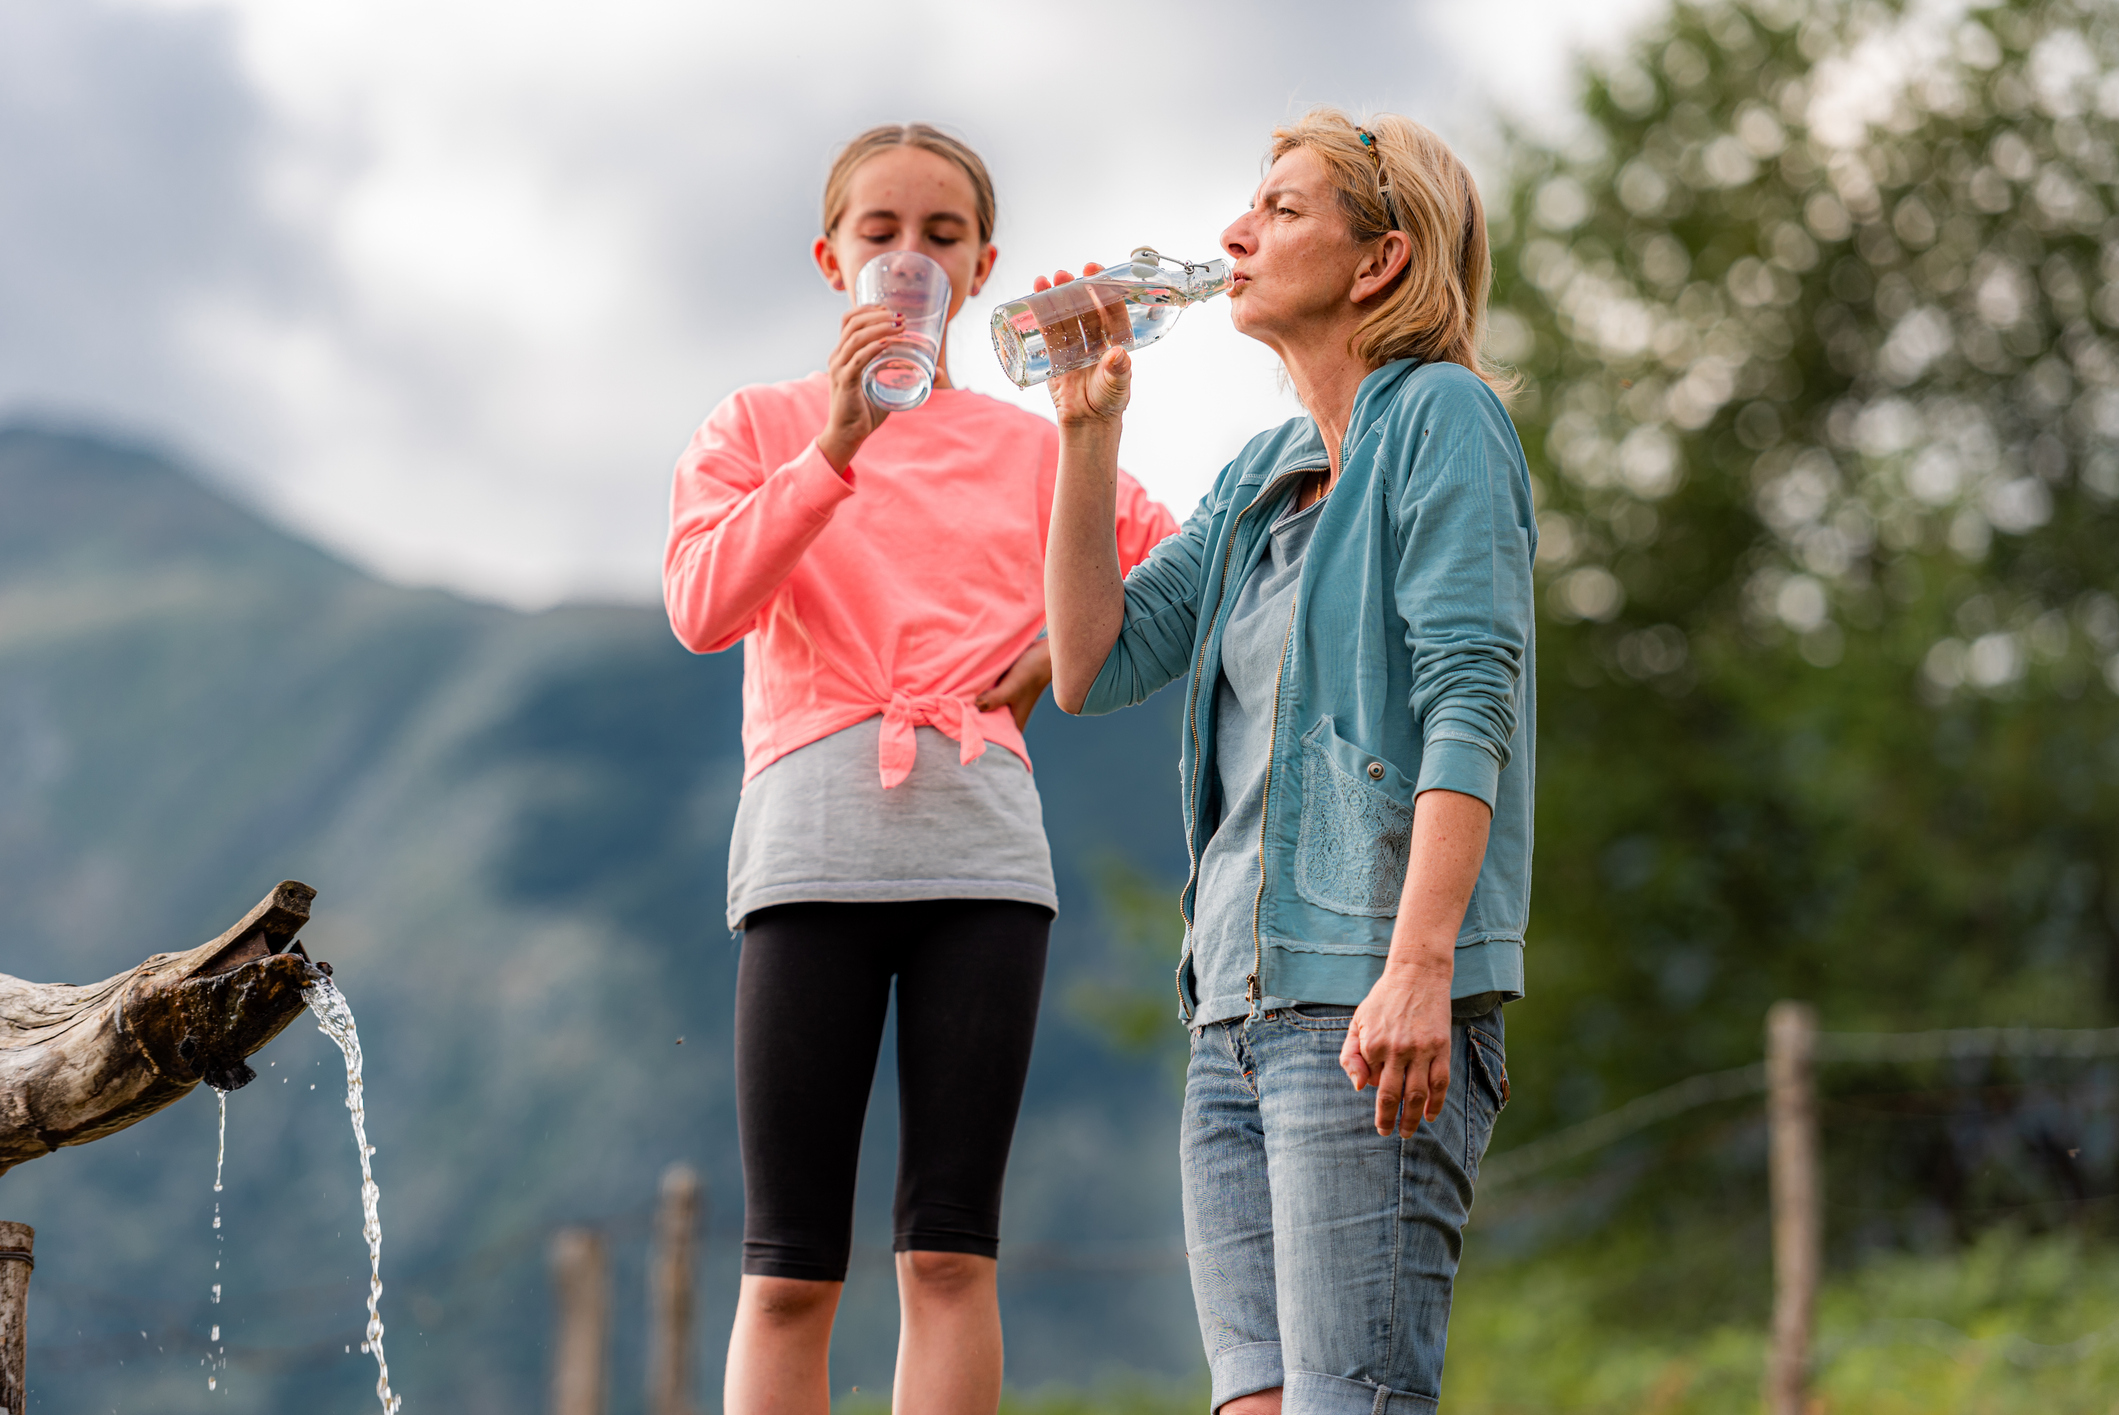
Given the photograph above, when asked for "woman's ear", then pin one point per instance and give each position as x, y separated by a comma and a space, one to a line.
827, 261
984, 267
1380, 265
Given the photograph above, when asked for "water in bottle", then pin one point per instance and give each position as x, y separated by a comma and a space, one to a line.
1129, 305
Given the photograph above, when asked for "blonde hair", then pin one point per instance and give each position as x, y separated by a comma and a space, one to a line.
926, 138
1406, 179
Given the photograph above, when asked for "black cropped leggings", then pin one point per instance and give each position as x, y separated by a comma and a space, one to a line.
812, 988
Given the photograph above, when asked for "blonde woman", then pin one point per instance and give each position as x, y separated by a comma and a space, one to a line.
1351, 608
884, 575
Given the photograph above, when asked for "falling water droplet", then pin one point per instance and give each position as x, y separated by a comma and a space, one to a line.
216, 1334
335, 1020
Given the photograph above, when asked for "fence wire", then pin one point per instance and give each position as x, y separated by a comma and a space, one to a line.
1969, 1043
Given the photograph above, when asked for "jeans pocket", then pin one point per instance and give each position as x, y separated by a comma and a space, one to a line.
1357, 827
1313, 1017
1485, 1093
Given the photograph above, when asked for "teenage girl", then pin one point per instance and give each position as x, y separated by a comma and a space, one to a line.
886, 579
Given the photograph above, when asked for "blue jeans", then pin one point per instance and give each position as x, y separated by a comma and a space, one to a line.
1322, 1253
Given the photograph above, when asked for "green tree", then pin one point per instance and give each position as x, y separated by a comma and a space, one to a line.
1816, 314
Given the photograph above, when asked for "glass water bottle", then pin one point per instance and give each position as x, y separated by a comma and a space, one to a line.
1129, 304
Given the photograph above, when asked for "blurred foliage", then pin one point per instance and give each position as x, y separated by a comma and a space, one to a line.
2014, 1324
1131, 1001
1816, 314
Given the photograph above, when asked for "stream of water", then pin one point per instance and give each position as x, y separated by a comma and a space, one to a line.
335, 1020
218, 1361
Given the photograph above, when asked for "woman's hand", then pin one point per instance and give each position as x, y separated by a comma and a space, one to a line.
1399, 1039
1398, 1042
852, 418
1099, 393
1022, 685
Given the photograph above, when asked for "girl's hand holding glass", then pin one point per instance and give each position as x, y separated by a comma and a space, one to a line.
863, 332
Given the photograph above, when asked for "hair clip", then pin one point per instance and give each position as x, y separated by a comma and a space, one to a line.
1383, 178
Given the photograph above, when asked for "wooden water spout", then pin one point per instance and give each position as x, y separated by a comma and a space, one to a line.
79, 1063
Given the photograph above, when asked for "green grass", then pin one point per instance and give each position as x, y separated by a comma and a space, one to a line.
1983, 1332
2010, 1326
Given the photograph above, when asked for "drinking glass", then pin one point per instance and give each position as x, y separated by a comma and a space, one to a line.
901, 374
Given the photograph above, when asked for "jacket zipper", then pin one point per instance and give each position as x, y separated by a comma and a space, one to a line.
1254, 989
1221, 589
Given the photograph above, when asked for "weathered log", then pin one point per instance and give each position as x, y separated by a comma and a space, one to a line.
18, 1243
79, 1063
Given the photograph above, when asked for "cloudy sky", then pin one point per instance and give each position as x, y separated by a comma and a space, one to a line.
447, 284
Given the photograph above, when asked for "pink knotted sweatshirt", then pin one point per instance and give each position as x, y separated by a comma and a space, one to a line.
906, 587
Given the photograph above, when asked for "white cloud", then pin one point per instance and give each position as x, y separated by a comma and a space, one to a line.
474, 270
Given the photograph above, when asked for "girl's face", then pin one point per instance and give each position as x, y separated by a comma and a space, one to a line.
908, 199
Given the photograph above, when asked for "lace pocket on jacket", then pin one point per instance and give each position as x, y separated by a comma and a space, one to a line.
1351, 854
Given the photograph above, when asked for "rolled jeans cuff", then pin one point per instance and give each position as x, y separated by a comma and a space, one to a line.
1244, 1370
1309, 1393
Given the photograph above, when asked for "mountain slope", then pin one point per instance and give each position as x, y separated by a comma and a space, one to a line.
518, 826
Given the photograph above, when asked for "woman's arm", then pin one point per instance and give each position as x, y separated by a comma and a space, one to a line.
1398, 1041
737, 528
1464, 591
1085, 594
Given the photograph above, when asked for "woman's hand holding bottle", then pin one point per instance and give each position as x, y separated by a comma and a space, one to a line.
1100, 392
852, 418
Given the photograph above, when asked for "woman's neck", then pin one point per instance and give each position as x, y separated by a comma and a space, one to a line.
1326, 380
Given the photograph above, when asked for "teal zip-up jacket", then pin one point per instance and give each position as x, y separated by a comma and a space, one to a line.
1410, 664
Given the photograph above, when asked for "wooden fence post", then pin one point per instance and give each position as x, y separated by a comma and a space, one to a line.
18, 1243
581, 1281
669, 1364
1798, 1200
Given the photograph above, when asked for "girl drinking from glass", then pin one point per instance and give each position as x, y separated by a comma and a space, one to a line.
885, 577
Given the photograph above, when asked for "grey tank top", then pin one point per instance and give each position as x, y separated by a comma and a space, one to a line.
817, 826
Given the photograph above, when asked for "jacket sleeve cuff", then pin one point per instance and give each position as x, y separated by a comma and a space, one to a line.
818, 484
1454, 764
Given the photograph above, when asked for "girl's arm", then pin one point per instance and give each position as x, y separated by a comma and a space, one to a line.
738, 528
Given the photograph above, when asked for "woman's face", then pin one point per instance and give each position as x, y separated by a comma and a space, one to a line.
1298, 270
908, 199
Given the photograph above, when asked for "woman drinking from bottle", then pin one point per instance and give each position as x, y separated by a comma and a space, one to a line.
885, 577
1351, 608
